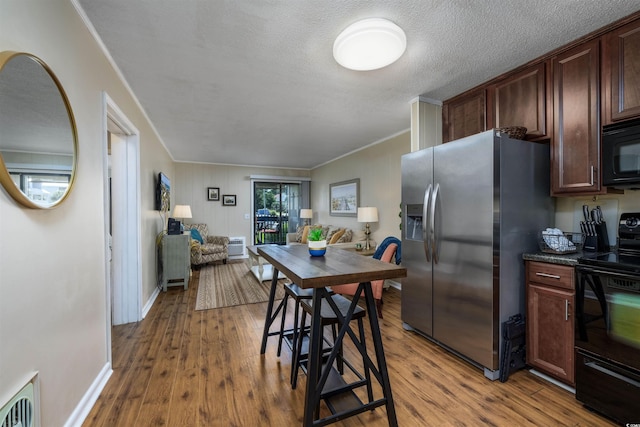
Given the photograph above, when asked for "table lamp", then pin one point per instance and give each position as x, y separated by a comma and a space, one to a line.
367, 214
182, 211
306, 214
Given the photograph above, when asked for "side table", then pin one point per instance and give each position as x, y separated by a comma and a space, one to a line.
362, 252
175, 260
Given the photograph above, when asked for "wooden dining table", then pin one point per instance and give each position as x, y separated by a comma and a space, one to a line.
336, 267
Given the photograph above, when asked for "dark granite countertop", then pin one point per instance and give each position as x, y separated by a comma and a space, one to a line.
566, 259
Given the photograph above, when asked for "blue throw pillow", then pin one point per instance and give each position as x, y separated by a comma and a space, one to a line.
195, 235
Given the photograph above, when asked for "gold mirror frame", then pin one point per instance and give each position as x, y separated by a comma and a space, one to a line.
5, 177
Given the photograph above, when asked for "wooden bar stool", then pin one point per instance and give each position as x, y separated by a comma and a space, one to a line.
295, 292
290, 336
329, 318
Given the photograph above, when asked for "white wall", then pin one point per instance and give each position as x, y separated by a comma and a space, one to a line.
191, 183
378, 168
52, 262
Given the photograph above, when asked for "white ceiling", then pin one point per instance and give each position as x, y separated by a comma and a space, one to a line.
253, 82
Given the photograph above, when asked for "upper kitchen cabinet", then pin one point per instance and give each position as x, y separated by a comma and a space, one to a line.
464, 115
621, 73
523, 99
575, 146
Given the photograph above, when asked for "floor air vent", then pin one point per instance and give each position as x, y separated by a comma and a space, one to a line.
236, 247
20, 410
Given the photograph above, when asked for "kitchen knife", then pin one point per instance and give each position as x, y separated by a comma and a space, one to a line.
585, 212
594, 217
600, 216
583, 228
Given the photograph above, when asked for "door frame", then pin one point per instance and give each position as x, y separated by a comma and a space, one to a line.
127, 307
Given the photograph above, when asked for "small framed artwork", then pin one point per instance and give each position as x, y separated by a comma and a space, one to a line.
213, 194
344, 198
228, 199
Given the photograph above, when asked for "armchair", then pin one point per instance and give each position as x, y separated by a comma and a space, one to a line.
388, 251
206, 248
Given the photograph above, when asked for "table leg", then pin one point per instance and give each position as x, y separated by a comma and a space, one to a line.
382, 363
260, 268
312, 400
271, 315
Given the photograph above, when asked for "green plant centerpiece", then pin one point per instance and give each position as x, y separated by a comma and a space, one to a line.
317, 244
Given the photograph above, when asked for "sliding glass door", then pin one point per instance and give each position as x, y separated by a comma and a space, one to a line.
273, 203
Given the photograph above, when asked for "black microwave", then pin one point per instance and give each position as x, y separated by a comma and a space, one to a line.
621, 155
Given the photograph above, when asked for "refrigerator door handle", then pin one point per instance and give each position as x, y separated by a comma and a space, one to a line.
432, 223
426, 235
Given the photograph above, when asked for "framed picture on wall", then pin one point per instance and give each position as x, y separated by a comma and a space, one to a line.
213, 194
228, 199
344, 198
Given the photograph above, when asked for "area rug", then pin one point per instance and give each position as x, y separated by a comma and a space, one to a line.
226, 285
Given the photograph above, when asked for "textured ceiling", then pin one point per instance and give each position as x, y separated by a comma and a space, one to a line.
253, 82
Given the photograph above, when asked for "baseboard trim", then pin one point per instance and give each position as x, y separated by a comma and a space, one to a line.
553, 380
89, 399
394, 284
150, 301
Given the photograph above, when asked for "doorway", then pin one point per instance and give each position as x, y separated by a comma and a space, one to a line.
122, 217
275, 209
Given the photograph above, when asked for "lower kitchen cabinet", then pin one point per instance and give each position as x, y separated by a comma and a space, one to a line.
550, 319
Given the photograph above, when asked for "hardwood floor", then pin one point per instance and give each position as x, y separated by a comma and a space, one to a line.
180, 367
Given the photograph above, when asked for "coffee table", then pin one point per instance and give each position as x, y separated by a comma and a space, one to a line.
261, 269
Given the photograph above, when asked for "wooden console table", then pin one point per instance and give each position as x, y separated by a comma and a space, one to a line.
336, 267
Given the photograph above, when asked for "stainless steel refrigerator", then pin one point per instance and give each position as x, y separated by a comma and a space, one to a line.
471, 208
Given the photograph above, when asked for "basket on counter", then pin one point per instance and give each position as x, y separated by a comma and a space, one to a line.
554, 241
515, 132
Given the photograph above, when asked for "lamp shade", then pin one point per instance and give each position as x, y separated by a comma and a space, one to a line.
306, 213
368, 214
369, 44
182, 211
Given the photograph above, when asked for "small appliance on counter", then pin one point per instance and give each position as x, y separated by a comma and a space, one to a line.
607, 336
629, 233
173, 227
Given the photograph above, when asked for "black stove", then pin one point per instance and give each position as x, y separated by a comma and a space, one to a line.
617, 260
627, 257
607, 322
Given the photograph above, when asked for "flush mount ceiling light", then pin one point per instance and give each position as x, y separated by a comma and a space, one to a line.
369, 44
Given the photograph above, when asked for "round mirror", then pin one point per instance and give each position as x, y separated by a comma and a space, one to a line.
38, 137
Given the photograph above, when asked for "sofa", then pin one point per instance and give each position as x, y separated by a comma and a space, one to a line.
206, 248
335, 235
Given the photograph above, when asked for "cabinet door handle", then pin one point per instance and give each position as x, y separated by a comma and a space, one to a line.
592, 174
566, 309
551, 276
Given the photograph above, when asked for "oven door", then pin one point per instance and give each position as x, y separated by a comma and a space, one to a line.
608, 388
608, 341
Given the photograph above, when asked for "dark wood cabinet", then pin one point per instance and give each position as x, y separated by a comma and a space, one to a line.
621, 73
564, 96
523, 99
575, 146
550, 324
464, 115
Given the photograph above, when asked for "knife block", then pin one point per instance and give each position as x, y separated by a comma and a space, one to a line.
603, 237
590, 244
